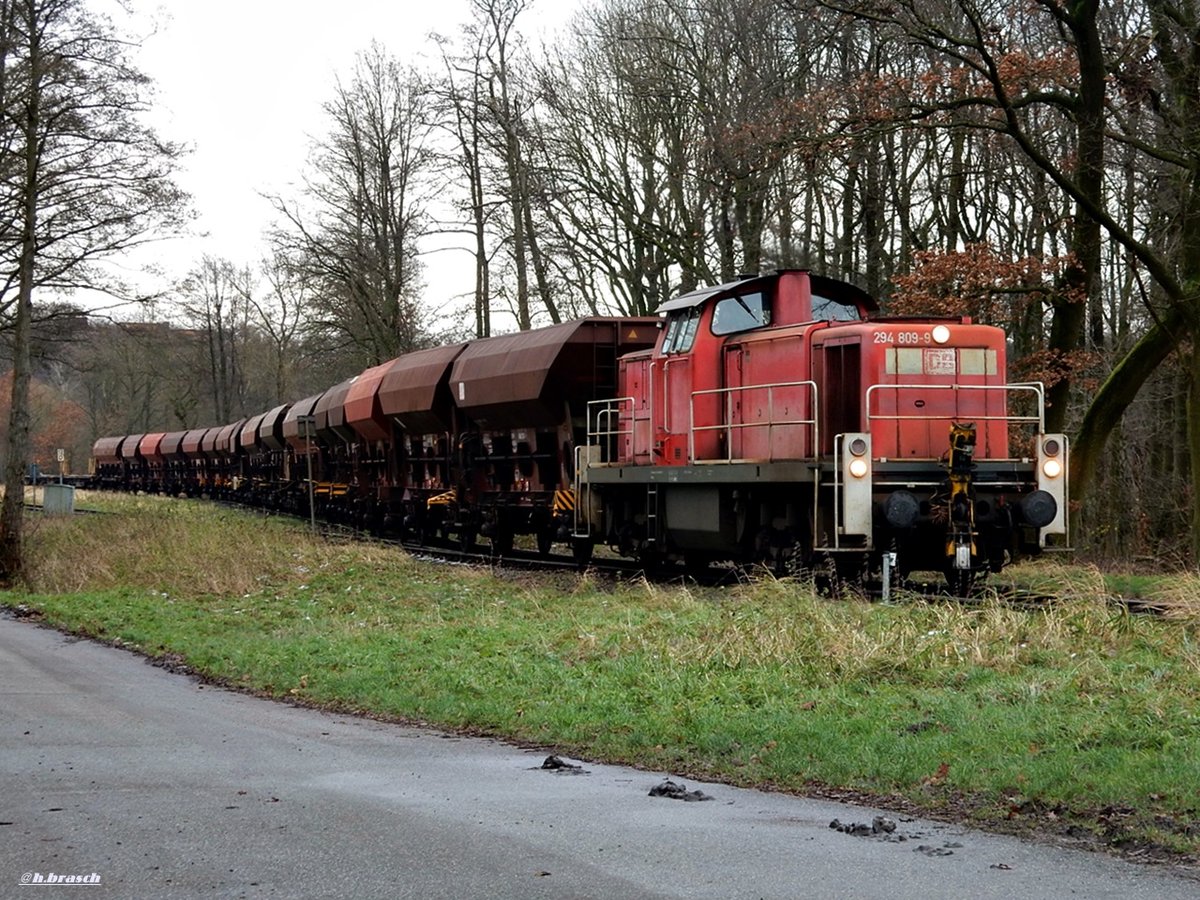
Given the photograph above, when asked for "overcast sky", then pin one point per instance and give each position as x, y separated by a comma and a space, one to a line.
241, 82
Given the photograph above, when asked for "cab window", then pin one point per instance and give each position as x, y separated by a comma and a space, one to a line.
826, 308
741, 313
681, 330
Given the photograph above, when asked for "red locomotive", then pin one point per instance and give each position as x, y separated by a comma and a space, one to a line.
780, 418
776, 419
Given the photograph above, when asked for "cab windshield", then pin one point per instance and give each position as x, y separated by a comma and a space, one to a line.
741, 313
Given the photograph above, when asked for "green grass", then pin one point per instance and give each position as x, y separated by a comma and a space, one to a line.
1077, 712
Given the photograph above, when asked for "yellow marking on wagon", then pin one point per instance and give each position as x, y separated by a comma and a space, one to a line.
444, 499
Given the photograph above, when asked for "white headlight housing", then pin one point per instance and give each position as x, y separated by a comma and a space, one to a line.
1052, 474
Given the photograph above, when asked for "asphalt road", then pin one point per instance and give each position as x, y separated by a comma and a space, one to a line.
159, 786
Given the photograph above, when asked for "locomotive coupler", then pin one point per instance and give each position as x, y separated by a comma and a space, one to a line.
960, 540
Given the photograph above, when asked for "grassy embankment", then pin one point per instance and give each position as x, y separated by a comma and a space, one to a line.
1075, 716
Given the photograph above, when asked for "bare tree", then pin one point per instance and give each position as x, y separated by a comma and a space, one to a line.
279, 306
508, 131
84, 178
215, 301
462, 112
629, 204
354, 232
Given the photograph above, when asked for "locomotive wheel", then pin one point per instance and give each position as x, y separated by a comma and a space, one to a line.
581, 550
838, 576
960, 581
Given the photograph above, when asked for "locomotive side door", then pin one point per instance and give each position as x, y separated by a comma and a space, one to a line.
838, 367
674, 423
732, 415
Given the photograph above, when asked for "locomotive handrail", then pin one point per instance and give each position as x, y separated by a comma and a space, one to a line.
728, 425
1035, 387
666, 382
579, 497
601, 430
606, 409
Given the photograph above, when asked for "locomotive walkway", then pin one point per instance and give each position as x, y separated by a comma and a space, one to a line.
155, 785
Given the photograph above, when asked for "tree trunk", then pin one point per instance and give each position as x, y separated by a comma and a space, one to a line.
539, 263
1082, 278
1193, 425
12, 511
1115, 395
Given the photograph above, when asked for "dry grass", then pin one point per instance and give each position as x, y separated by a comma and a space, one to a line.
1178, 598
772, 623
155, 543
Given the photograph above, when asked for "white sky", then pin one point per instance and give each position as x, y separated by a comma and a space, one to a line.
241, 82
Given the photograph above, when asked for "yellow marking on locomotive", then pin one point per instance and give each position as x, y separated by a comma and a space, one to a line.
961, 464
564, 501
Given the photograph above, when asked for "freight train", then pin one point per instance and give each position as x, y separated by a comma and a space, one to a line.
778, 420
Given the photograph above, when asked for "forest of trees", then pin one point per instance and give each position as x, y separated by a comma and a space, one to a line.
1036, 166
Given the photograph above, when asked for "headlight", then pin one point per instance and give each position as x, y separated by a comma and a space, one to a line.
941, 334
858, 467
1052, 468
858, 446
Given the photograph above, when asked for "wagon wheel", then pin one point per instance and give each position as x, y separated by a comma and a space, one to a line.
426, 531
466, 538
545, 541
649, 559
502, 541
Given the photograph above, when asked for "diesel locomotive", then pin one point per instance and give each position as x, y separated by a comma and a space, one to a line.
778, 420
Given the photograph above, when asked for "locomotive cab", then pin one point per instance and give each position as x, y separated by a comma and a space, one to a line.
727, 358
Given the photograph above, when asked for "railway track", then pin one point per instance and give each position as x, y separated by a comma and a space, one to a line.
618, 569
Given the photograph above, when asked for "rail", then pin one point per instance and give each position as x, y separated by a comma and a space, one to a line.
1036, 388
